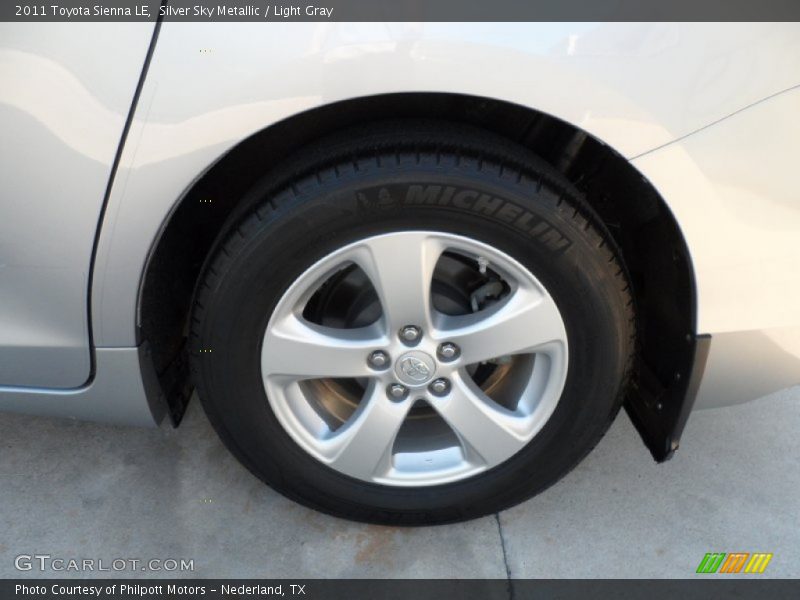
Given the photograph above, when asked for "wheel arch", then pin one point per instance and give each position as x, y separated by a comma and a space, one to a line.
640, 221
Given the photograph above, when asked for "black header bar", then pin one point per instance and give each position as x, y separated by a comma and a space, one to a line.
399, 10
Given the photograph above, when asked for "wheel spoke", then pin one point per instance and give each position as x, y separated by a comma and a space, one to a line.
483, 427
298, 349
524, 322
400, 267
362, 448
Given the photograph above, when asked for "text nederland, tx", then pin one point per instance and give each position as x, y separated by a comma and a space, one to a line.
277, 10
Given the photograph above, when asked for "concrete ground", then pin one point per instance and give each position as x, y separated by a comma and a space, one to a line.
77, 490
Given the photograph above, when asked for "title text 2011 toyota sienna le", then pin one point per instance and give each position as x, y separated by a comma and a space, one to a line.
412, 270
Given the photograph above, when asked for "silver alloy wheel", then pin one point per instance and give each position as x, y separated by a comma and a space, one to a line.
337, 405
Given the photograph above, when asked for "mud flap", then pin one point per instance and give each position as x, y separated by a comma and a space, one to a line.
659, 412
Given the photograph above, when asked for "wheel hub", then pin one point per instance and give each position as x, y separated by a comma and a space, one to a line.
415, 368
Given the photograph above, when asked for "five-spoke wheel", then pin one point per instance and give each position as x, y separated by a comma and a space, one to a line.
413, 324
492, 375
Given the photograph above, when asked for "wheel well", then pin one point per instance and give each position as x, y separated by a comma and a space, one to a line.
651, 244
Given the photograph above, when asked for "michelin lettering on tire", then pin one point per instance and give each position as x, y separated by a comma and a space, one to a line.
448, 196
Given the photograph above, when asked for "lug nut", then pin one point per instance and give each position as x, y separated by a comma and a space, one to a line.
439, 387
397, 391
410, 333
448, 351
378, 359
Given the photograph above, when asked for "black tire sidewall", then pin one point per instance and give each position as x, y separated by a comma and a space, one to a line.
534, 220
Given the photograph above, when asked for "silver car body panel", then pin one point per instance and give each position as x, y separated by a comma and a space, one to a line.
647, 90
732, 187
124, 391
64, 98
